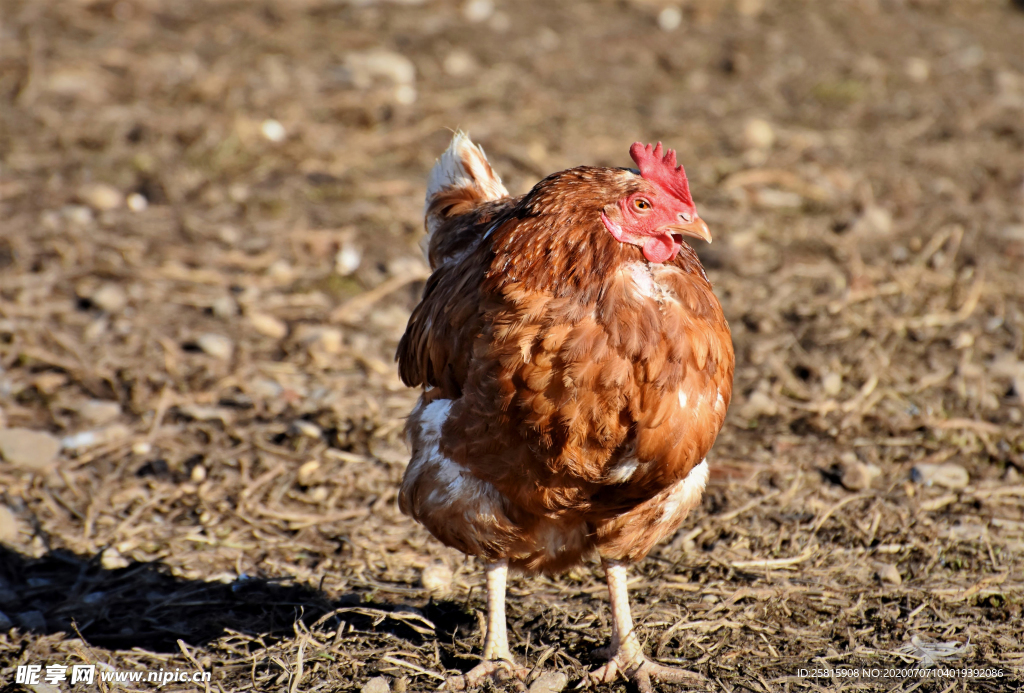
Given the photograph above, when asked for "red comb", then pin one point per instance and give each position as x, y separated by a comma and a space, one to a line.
662, 171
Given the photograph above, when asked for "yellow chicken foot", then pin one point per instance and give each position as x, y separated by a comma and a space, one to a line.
497, 661
625, 654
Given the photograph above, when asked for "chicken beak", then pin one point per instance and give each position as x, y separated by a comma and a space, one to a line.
697, 228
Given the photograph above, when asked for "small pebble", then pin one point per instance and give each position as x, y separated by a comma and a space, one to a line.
392, 318
99, 412
750, 8
548, 39
273, 130
410, 265
142, 448
963, 340
75, 81
327, 340
758, 134
347, 260
405, 94
1013, 232
94, 598
95, 329
856, 475
874, 220
79, 215
306, 472
100, 196
389, 454
947, 475
31, 620
27, 449
216, 345
759, 404
264, 388
537, 152
890, 574
89, 439
459, 63
378, 684
239, 192
307, 429
267, 325
50, 220
500, 22
917, 70
770, 198
198, 474
281, 271
832, 384
437, 579
224, 307
113, 560
478, 10
137, 202
969, 57
367, 66
8, 526
670, 18
549, 682
200, 412
229, 235
48, 383
110, 298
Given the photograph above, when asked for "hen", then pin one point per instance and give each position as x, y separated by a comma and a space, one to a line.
576, 368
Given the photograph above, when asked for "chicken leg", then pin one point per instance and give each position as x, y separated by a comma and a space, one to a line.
497, 659
625, 654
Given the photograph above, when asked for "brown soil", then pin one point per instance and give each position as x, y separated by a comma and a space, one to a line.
239, 513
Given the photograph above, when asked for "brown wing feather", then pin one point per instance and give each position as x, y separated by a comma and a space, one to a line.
439, 339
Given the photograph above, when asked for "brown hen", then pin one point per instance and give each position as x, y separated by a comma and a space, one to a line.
576, 368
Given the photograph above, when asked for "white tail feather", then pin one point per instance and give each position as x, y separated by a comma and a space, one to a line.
463, 164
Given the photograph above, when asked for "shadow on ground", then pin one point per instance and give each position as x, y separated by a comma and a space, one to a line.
144, 606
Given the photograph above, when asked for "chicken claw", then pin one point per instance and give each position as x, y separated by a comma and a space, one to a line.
625, 654
641, 671
499, 671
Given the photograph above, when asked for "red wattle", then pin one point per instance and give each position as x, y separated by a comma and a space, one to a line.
660, 248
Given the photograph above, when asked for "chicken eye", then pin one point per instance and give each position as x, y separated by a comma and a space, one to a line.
641, 204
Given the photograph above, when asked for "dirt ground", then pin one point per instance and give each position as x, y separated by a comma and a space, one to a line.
209, 226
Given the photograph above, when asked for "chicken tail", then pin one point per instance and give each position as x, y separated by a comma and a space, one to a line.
460, 180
